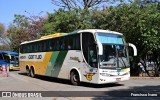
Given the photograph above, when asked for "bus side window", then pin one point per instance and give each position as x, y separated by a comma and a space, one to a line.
40, 47
50, 45
24, 48
27, 47
78, 47
70, 42
30, 48
62, 43
65, 42
44, 46
58, 45
55, 45
35, 47
76, 42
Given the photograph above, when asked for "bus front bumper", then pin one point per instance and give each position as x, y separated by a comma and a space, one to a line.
103, 80
14, 68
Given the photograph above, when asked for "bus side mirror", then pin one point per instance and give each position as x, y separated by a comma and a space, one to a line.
134, 48
100, 51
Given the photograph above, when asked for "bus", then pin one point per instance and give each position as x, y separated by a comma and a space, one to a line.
9, 58
92, 55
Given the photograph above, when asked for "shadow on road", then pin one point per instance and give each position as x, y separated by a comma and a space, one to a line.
134, 93
64, 81
13, 70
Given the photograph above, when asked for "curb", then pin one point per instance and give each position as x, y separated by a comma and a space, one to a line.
144, 78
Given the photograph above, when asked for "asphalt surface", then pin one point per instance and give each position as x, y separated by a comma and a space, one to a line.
147, 88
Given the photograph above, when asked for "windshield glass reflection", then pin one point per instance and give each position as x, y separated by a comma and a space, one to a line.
114, 56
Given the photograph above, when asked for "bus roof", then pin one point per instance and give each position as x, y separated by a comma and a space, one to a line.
74, 32
100, 30
9, 52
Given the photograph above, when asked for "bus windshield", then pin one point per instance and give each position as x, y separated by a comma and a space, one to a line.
109, 38
14, 59
114, 51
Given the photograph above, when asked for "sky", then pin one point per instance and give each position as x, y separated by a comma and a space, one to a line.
32, 7
8, 8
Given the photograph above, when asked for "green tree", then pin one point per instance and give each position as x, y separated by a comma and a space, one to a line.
2, 30
17, 36
138, 24
24, 29
4, 42
67, 21
5, 47
20, 20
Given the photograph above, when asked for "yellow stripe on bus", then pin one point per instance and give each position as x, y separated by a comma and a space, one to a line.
52, 35
40, 67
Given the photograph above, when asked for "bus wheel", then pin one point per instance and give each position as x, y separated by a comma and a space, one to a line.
74, 77
32, 72
28, 72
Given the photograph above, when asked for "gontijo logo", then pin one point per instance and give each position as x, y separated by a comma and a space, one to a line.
35, 57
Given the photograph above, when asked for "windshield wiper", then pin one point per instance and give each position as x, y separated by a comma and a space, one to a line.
123, 62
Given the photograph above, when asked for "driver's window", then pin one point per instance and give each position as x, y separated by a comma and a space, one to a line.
121, 51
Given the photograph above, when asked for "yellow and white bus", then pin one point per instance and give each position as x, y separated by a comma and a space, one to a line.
91, 55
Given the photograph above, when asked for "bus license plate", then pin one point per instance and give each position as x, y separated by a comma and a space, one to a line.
118, 79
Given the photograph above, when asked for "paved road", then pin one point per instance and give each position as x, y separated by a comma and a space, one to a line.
123, 90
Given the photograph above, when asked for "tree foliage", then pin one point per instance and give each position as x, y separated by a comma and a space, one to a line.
5, 47
139, 24
17, 36
67, 21
4, 42
2, 29
24, 29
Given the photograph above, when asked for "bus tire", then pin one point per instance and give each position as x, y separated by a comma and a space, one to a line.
32, 72
28, 71
74, 78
